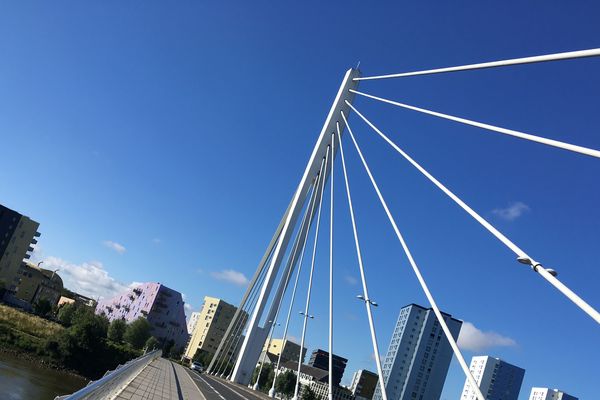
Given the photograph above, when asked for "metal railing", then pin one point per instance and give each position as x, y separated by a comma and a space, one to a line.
113, 382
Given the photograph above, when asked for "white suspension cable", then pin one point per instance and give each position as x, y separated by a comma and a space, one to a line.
291, 260
362, 274
312, 269
503, 63
330, 389
300, 262
238, 329
505, 131
521, 255
416, 270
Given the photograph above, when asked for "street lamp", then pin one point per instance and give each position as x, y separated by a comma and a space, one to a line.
361, 297
306, 315
527, 261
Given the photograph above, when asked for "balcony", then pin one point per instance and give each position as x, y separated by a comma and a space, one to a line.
37, 234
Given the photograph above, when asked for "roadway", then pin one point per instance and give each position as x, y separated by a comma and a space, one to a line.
213, 388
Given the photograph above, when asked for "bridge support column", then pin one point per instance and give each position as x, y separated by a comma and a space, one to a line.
255, 335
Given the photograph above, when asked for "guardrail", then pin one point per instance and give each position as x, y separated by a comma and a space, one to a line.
113, 382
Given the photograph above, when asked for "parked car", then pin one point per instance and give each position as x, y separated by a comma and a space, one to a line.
196, 366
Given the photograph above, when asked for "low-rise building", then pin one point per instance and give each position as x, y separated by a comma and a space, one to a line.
316, 379
290, 351
363, 384
538, 393
35, 284
320, 359
160, 305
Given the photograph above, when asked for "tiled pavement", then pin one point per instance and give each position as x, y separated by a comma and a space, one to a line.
161, 380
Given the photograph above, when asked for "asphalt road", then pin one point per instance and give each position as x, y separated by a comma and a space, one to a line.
216, 389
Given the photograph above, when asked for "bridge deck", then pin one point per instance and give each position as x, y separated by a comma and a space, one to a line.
162, 380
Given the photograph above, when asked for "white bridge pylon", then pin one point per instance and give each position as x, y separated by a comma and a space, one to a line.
308, 197
255, 335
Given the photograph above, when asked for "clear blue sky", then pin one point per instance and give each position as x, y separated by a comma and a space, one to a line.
162, 141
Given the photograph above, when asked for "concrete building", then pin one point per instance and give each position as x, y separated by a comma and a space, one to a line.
316, 379
289, 350
212, 324
192, 322
538, 393
37, 284
75, 298
17, 234
418, 356
363, 384
497, 379
160, 305
320, 359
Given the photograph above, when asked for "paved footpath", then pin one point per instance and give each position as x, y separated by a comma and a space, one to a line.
162, 380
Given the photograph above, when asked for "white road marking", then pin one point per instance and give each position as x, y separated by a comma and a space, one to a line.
233, 390
210, 386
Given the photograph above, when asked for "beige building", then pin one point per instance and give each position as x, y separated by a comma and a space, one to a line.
35, 283
17, 234
289, 350
211, 326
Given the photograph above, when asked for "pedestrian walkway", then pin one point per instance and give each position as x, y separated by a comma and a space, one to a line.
161, 380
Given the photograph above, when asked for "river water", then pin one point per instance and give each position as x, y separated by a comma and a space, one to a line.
24, 380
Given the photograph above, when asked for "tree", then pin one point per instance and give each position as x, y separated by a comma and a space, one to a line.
137, 333
116, 330
286, 383
266, 376
309, 394
65, 314
152, 343
167, 347
42, 307
203, 357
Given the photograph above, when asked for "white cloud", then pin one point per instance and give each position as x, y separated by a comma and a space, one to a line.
231, 276
119, 248
156, 241
88, 278
512, 212
350, 280
473, 339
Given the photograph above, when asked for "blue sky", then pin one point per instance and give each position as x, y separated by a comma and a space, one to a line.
162, 142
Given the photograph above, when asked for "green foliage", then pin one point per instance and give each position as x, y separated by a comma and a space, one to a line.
151, 344
83, 347
42, 307
137, 333
308, 394
65, 314
176, 353
167, 347
286, 383
116, 330
266, 377
203, 357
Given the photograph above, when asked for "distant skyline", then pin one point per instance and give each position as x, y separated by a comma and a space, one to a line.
162, 144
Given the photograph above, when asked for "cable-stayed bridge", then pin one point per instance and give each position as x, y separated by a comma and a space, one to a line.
290, 251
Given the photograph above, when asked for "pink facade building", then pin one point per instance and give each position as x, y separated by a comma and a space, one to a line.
161, 306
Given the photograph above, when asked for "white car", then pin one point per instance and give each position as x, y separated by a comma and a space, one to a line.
196, 366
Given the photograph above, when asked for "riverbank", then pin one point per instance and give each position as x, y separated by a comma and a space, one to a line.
82, 349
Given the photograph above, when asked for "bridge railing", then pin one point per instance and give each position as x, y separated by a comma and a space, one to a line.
113, 381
